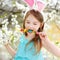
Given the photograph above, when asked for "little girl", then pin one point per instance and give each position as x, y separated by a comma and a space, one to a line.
32, 41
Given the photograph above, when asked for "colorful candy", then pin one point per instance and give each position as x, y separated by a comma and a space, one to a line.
29, 30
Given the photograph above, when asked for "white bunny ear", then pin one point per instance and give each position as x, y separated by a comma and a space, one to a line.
30, 2
41, 5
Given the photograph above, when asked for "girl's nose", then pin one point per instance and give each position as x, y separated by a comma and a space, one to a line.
31, 27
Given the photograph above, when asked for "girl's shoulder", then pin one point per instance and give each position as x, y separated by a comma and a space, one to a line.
22, 36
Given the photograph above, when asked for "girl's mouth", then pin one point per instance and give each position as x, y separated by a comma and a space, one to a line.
30, 31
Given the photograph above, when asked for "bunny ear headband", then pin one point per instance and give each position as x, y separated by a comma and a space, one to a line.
36, 4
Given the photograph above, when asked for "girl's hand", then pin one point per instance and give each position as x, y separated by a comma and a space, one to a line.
42, 35
6, 42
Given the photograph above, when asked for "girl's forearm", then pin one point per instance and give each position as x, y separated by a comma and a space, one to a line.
51, 47
10, 49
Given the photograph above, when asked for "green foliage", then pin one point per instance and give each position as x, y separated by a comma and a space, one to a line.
57, 42
3, 15
12, 39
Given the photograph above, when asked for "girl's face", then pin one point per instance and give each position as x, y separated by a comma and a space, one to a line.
32, 23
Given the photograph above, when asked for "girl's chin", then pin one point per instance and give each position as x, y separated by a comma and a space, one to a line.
28, 33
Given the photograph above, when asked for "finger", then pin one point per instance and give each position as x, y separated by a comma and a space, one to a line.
42, 34
38, 33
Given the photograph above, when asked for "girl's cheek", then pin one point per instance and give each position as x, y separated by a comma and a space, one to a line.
36, 28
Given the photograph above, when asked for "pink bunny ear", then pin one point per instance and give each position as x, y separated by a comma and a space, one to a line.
40, 5
30, 2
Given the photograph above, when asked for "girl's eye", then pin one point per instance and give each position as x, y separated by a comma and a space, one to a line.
28, 22
35, 24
